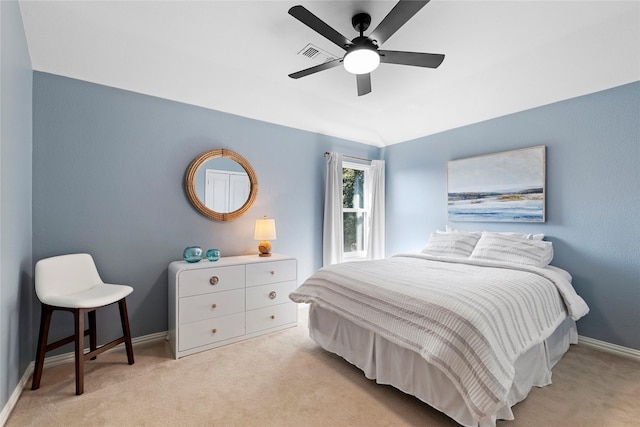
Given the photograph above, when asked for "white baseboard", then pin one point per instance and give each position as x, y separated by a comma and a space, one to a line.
13, 400
609, 348
59, 360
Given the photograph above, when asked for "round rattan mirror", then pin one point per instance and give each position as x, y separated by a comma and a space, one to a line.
221, 184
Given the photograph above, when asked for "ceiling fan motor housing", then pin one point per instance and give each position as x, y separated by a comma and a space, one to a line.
362, 42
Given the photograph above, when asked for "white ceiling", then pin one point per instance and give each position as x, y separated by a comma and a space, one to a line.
235, 56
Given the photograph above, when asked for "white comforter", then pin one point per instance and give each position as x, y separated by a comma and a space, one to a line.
471, 319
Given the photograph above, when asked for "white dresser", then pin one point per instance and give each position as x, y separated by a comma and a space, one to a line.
235, 298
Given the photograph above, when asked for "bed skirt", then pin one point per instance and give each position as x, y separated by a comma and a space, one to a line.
388, 363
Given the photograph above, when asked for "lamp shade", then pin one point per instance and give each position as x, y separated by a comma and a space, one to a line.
361, 61
265, 229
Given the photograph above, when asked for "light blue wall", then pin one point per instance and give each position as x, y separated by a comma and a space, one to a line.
108, 171
16, 293
593, 196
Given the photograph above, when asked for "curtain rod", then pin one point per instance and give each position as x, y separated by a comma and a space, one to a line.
326, 153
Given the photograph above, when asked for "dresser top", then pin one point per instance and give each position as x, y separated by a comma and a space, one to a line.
176, 266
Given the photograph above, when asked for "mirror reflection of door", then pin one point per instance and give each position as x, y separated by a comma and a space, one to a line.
229, 195
226, 191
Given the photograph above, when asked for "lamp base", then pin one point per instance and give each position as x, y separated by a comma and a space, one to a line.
265, 248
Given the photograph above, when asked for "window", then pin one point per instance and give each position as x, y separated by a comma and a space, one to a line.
354, 210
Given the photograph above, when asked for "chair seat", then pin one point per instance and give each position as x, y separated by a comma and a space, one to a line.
97, 296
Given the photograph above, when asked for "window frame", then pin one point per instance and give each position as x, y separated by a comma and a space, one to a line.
362, 254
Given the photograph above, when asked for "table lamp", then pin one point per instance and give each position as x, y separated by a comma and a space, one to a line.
265, 231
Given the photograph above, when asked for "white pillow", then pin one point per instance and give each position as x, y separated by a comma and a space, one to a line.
524, 235
449, 229
458, 245
502, 247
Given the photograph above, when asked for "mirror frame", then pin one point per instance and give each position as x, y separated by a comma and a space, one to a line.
190, 184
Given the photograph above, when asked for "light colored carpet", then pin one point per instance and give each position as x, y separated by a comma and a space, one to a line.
285, 379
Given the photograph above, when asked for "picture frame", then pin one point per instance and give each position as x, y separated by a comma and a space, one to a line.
508, 186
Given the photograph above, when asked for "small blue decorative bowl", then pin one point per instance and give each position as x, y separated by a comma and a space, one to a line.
192, 254
213, 254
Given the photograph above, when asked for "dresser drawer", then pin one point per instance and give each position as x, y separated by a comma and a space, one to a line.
215, 304
201, 281
200, 333
266, 295
270, 317
271, 272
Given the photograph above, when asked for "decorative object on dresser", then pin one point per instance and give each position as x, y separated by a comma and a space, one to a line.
192, 254
213, 254
221, 184
236, 298
265, 231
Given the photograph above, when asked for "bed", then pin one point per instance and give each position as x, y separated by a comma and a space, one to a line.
469, 325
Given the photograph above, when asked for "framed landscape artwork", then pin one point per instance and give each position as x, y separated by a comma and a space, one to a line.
507, 186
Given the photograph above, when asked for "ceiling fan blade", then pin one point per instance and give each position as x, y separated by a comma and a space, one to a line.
364, 83
321, 67
399, 15
319, 26
429, 60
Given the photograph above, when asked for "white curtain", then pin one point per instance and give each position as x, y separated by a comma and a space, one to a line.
375, 192
332, 238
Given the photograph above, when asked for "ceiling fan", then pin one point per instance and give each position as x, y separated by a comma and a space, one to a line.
362, 53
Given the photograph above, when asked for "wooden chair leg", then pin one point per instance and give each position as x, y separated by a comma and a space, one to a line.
78, 316
43, 336
124, 319
93, 338
78, 339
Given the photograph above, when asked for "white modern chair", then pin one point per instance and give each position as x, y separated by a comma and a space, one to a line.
72, 283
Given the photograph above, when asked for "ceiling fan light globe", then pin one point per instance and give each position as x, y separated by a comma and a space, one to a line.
361, 61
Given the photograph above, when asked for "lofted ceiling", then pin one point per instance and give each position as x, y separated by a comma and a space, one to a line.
235, 56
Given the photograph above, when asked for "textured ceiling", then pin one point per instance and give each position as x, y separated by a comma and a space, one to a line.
234, 56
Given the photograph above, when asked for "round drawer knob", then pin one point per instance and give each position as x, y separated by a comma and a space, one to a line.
273, 316
272, 295
273, 273
214, 305
214, 330
214, 280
